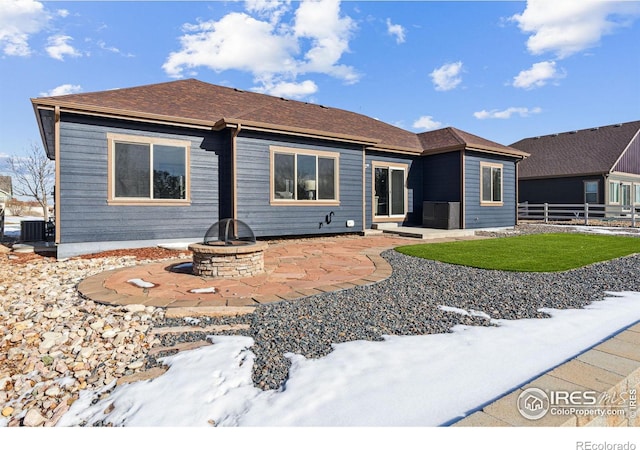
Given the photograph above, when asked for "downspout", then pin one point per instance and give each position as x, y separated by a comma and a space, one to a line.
517, 189
364, 190
234, 173
56, 151
463, 206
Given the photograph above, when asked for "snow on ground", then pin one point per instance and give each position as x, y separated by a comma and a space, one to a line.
141, 283
404, 380
604, 230
464, 312
12, 224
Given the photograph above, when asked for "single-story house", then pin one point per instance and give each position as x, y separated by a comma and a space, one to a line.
598, 165
6, 188
163, 162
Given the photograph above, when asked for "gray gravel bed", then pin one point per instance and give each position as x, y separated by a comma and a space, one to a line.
407, 304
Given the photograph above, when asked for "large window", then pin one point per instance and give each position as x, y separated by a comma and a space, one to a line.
147, 170
390, 193
591, 192
637, 194
491, 184
301, 177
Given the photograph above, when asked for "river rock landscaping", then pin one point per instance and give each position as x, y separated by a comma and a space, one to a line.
55, 343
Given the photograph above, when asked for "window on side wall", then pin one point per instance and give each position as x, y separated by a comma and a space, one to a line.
614, 192
637, 194
149, 171
491, 181
591, 192
304, 177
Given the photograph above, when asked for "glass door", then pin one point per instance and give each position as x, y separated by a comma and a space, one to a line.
389, 195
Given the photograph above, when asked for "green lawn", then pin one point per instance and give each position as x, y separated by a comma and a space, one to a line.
529, 253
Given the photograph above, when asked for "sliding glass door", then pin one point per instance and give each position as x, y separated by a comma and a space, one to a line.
389, 192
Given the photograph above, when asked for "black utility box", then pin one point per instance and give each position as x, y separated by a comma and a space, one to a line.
32, 230
442, 215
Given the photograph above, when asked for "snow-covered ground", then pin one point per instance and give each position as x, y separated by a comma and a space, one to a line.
403, 381
12, 224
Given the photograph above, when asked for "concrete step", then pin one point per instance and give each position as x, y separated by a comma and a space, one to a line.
429, 233
208, 311
179, 347
212, 329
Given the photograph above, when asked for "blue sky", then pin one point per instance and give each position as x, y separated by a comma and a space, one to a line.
502, 70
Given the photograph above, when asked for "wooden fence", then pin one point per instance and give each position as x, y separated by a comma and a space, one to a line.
583, 212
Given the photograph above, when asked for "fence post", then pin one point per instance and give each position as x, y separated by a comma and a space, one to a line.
546, 213
633, 216
586, 214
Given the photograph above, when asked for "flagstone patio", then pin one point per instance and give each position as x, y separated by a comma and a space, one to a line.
293, 269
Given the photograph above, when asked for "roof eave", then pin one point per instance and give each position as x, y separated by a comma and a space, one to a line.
41, 129
102, 111
249, 125
477, 148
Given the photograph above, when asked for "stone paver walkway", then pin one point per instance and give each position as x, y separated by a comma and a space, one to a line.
293, 269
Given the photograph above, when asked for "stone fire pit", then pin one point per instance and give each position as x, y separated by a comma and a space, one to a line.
229, 250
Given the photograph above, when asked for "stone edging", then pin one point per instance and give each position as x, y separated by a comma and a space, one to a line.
92, 288
611, 368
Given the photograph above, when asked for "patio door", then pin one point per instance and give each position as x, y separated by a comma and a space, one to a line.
389, 192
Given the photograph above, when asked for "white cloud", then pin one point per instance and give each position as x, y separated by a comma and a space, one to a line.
289, 89
274, 51
507, 113
58, 47
103, 45
538, 75
320, 21
568, 26
63, 89
447, 77
19, 19
62, 12
396, 30
271, 9
426, 123
237, 41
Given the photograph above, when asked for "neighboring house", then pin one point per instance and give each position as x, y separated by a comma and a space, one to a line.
598, 165
163, 162
6, 189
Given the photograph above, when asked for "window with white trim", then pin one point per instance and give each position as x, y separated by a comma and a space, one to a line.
304, 176
637, 193
491, 184
148, 170
614, 192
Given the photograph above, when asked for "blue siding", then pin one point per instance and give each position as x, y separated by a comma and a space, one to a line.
253, 184
569, 190
441, 175
414, 185
84, 213
477, 216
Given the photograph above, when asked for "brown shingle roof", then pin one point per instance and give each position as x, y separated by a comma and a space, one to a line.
207, 104
202, 104
582, 152
451, 138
